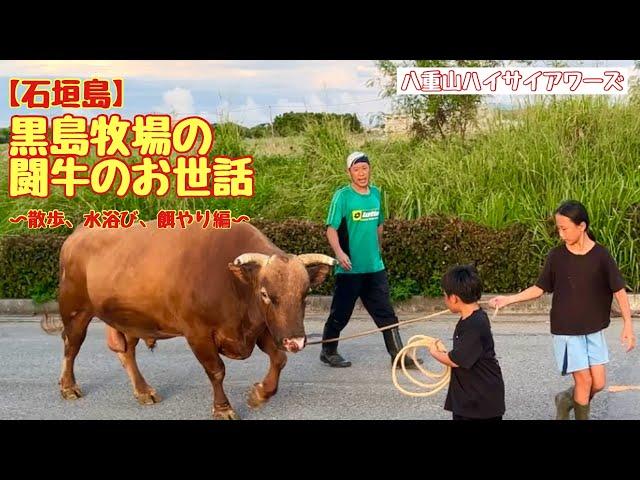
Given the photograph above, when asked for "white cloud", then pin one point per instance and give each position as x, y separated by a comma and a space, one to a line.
178, 102
251, 113
319, 72
187, 87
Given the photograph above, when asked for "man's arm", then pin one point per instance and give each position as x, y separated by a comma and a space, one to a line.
334, 241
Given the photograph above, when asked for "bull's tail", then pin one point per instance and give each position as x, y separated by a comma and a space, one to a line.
51, 324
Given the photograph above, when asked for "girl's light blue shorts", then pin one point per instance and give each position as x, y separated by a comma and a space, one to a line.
579, 352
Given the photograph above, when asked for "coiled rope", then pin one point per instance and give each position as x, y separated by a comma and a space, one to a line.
425, 389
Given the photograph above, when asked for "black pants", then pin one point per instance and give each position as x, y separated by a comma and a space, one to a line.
460, 417
373, 290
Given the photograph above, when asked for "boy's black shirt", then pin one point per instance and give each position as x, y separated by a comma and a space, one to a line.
476, 389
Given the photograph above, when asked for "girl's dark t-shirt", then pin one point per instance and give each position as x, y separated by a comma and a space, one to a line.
582, 287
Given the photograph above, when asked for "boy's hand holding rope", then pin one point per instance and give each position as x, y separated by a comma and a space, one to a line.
440, 379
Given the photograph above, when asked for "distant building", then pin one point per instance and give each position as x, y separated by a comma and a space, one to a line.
397, 124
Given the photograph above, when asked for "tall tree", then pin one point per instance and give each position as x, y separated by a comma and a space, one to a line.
431, 115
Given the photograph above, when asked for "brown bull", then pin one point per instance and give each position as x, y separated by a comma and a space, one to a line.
223, 290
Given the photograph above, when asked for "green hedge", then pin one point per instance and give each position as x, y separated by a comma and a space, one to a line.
29, 266
423, 250
416, 254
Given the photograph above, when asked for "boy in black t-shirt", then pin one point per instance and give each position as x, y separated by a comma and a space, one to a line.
476, 389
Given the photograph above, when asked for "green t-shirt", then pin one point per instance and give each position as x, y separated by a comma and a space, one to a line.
356, 217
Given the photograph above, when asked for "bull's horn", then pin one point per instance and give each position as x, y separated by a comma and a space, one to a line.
259, 258
315, 258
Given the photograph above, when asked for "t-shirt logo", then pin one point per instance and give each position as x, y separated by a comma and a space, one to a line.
365, 215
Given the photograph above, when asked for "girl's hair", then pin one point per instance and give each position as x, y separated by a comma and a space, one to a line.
577, 212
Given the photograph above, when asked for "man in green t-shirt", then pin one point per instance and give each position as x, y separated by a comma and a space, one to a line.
354, 231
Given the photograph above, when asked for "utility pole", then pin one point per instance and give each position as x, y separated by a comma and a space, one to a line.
273, 133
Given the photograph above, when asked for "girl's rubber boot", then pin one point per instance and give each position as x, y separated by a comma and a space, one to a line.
582, 411
564, 404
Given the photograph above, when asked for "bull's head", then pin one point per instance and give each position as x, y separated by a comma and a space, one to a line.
281, 284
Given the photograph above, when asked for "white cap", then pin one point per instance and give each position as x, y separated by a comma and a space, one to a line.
352, 158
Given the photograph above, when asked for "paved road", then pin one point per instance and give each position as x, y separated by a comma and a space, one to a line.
308, 390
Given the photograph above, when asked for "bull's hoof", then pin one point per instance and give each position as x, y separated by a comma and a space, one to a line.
257, 396
227, 414
71, 393
148, 398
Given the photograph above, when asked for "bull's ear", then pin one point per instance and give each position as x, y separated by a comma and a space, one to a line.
247, 273
317, 274
318, 267
246, 266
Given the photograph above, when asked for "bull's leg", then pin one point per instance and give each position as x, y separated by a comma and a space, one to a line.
206, 352
141, 390
261, 392
73, 334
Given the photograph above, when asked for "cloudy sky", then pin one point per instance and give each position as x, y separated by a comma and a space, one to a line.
246, 92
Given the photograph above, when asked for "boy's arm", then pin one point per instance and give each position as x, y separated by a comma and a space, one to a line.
466, 352
442, 356
380, 236
627, 337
